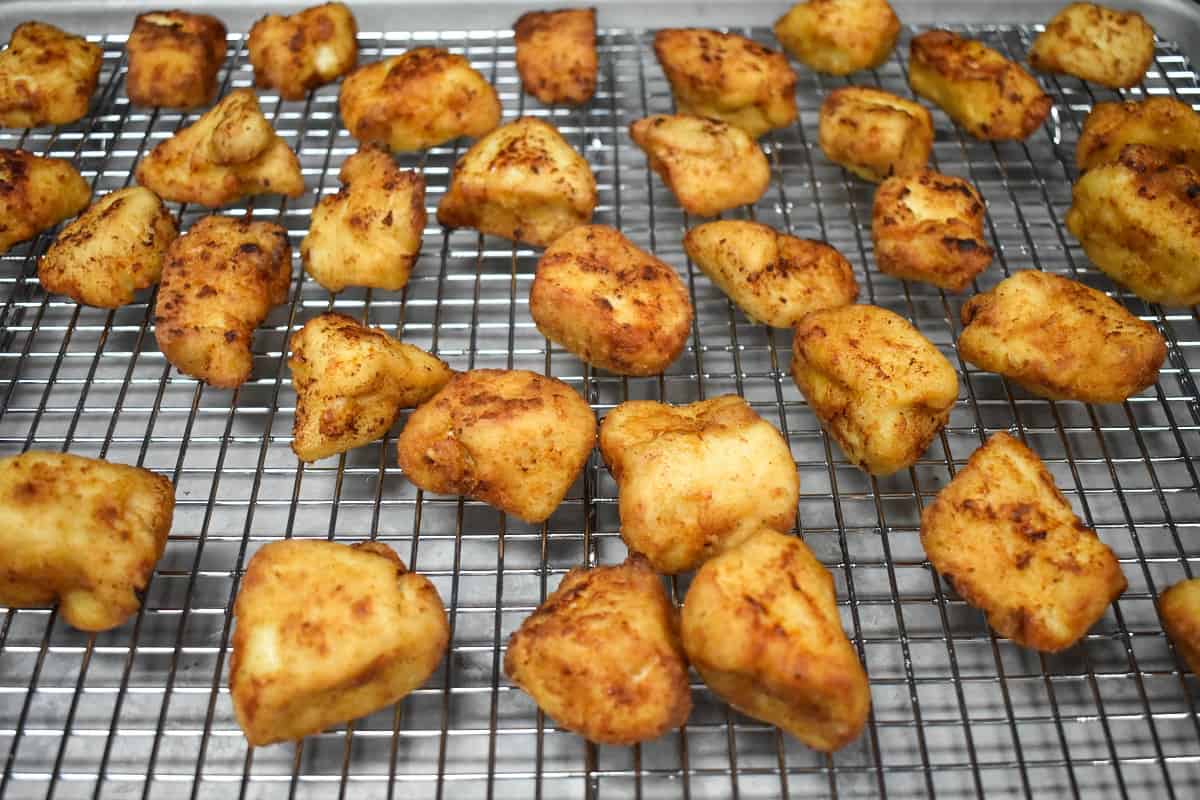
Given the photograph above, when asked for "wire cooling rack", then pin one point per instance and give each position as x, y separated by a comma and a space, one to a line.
143, 710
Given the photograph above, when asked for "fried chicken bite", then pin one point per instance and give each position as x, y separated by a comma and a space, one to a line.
219, 282
81, 531
174, 58
36, 193
676, 468
839, 36
761, 626
522, 182
556, 54
874, 133
879, 387
988, 95
1179, 607
1096, 43
47, 76
513, 439
709, 165
602, 655
1164, 122
308, 49
1007, 540
326, 633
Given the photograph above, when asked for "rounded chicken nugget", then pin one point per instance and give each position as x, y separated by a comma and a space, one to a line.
556, 54
1095, 43
874, 133
47, 76
1164, 122
839, 36
308, 49
174, 58
37, 193
1179, 607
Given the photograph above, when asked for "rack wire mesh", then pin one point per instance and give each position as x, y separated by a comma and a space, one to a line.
144, 711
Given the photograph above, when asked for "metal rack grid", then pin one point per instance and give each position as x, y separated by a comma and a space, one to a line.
143, 710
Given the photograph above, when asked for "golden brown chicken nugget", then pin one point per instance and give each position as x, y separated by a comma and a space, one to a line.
1007, 540
47, 76
556, 54
1179, 607
85, 532
174, 58
839, 36
308, 49
602, 656
36, 193
1098, 44
874, 133
1164, 122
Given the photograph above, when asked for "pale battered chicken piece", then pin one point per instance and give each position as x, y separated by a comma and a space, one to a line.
879, 387
1138, 220
174, 58
839, 36
47, 76
760, 624
114, 249
230, 153
522, 182
1060, 339
727, 77
602, 657
351, 382
556, 54
310, 48
420, 99
874, 133
1164, 122
513, 439
1098, 44
709, 165
695, 480
1007, 540
219, 282
85, 532
989, 96
929, 227
36, 193
327, 633
369, 233
774, 278
1179, 607
611, 304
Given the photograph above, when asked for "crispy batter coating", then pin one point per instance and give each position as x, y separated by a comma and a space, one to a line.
85, 532
523, 182
36, 193
1096, 43
602, 655
1060, 339
1179, 607
676, 468
761, 626
1138, 219
879, 387
174, 58
310, 48
422, 98
219, 282
326, 633
556, 54
728, 77
1007, 540
773, 278
709, 165
369, 233
1164, 122
874, 133
513, 439
839, 36
47, 76
988, 95
929, 227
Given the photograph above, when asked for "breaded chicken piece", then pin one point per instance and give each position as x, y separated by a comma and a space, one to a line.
874, 133
761, 626
613, 305
988, 95
37, 193
513, 439
369, 233
929, 227
47, 76
1098, 44
602, 655
879, 387
114, 249
1138, 220
1179, 607
85, 532
1007, 540
174, 58
775, 279
219, 282
230, 153
709, 165
1060, 339
522, 182
351, 382
839, 36
1163, 121
556, 54
422, 98
326, 633
308, 49
695, 480
727, 77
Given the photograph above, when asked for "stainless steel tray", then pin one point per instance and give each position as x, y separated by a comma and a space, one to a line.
144, 711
